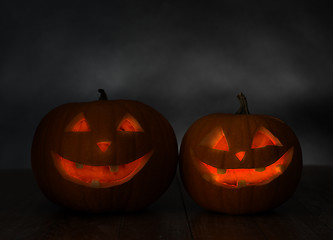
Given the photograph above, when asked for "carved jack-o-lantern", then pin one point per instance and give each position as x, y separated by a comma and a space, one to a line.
117, 155
240, 163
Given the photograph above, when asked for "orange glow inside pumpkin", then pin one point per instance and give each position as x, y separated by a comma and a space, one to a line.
129, 124
99, 176
78, 124
104, 145
221, 144
236, 178
240, 155
216, 140
81, 126
263, 138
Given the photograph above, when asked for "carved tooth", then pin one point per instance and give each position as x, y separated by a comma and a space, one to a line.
260, 169
241, 183
114, 168
280, 168
78, 165
221, 171
95, 183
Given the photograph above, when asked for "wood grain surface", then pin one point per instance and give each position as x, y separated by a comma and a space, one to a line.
27, 214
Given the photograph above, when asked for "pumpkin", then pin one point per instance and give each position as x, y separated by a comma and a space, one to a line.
240, 163
105, 155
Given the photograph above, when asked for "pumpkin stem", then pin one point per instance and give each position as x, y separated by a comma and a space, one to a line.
103, 94
243, 109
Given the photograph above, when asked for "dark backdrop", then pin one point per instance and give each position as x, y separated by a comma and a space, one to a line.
184, 59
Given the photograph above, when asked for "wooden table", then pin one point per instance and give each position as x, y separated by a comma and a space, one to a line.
27, 214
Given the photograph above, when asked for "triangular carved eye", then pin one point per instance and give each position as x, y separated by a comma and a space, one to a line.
78, 124
216, 139
263, 138
129, 124
222, 143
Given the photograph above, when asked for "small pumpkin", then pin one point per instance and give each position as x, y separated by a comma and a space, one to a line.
240, 163
105, 155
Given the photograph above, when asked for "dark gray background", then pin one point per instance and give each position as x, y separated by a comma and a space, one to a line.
186, 60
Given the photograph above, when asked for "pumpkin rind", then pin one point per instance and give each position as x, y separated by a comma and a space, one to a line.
122, 148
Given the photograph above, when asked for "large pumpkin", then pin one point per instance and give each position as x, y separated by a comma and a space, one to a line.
118, 155
240, 163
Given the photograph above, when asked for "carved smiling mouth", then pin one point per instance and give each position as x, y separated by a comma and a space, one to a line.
99, 176
242, 177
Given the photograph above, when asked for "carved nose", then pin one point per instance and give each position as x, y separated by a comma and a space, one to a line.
240, 155
103, 145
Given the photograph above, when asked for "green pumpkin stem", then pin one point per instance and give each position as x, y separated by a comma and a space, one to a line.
243, 109
103, 94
